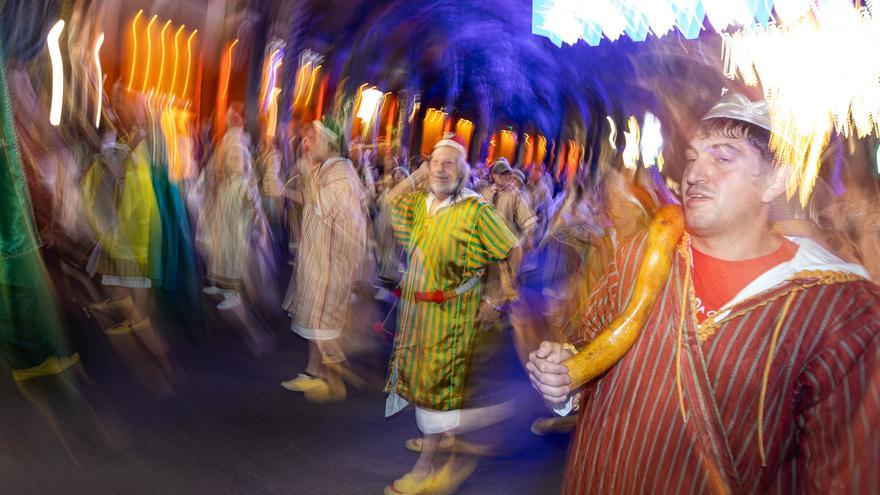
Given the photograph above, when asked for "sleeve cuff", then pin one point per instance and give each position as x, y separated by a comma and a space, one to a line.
566, 408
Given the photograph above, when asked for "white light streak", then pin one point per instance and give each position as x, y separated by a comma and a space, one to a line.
100, 80
57, 72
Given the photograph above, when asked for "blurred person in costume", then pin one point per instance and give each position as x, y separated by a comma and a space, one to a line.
32, 341
451, 234
758, 369
329, 259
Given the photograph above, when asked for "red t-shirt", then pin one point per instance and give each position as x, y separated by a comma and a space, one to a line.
717, 281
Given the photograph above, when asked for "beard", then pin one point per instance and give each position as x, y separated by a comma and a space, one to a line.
443, 188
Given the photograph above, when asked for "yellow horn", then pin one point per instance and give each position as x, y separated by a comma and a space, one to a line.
609, 346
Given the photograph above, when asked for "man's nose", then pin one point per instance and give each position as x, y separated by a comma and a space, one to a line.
696, 171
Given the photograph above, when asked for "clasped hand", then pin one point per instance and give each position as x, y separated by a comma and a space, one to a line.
549, 377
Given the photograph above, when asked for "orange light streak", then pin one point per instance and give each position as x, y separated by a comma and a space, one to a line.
176, 57
149, 53
222, 95
227, 73
134, 47
540, 150
319, 108
188, 61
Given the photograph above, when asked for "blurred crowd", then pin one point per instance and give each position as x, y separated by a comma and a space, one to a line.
156, 225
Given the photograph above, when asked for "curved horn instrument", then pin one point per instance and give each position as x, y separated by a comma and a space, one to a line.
609, 346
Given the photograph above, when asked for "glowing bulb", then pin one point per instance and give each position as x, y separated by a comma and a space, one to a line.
57, 72
789, 11
808, 100
652, 140
100, 80
369, 104
723, 13
631, 150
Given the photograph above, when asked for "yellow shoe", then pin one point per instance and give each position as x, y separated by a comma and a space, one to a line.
324, 393
543, 426
53, 365
409, 484
453, 444
100, 306
302, 382
120, 329
450, 477
415, 444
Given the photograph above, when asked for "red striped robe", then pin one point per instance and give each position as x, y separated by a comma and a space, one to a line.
821, 415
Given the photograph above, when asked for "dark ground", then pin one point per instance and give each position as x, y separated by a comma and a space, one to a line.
229, 427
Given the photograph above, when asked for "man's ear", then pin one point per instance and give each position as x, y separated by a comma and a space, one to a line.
775, 182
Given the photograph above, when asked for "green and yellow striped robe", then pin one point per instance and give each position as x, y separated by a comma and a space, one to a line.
432, 347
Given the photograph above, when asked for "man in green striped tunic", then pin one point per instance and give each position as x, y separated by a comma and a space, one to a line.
450, 234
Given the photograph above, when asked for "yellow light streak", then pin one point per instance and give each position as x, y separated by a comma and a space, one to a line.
57, 72
134, 46
312, 84
299, 83
273, 112
265, 90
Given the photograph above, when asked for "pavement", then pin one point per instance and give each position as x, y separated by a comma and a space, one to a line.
227, 426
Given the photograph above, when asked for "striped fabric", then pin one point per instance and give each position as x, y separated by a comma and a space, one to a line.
822, 404
331, 250
514, 207
433, 342
226, 223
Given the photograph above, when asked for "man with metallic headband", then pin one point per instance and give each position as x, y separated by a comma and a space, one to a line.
758, 369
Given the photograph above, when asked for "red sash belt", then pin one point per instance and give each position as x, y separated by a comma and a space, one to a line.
436, 296
441, 296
